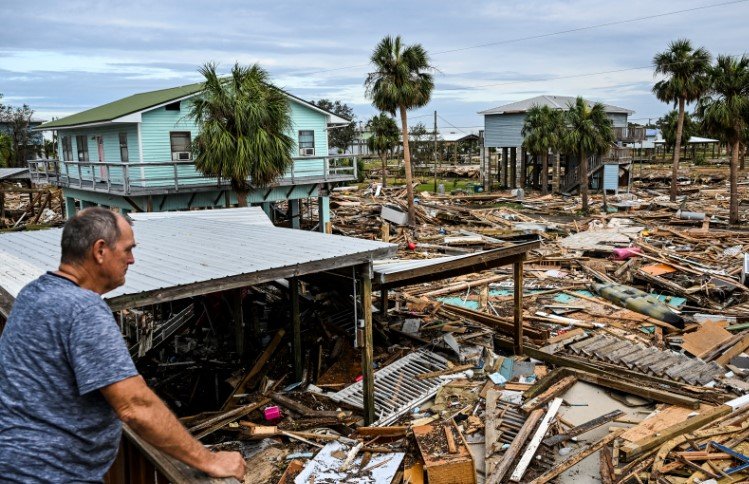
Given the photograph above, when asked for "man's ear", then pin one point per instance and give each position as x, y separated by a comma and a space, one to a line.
97, 250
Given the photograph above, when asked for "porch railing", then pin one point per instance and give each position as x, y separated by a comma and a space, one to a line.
174, 176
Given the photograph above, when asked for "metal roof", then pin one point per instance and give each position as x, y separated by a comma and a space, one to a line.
147, 100
179, 257
239, 215
554, 102
14, 173
398, 273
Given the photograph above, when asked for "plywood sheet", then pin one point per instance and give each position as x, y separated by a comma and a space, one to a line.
710, 335
664, 419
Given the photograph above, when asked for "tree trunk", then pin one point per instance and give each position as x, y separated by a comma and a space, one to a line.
545, 173
742, 158
407, 166
557, 171
677, 150
584, 181
384, 158
241, 197
733, 215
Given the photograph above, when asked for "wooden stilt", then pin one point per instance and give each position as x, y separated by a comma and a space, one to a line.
296, 323
517, 272
365, 277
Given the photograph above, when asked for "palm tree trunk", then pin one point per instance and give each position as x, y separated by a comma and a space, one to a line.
742, 157
407, 166
384, 158
584, 181
557, 171
241, 197
545, 173
677, 150
733, 212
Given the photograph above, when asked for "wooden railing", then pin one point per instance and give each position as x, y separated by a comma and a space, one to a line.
174, 176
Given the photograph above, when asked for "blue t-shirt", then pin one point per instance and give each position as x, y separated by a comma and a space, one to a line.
59, 347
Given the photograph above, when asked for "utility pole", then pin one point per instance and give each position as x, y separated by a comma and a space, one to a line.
435, 151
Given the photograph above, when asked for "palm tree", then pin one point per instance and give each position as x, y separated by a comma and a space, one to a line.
243, 123
542, 132
669, 124
589, 133
686, 81
402, 80
384, 139
726, 110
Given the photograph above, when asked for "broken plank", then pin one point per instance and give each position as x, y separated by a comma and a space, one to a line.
735, 350
574, 459
256, 369
552, 392
393, 431
582, 428
530, 451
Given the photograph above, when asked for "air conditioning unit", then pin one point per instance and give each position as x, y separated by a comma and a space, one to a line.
306, 151
181, 156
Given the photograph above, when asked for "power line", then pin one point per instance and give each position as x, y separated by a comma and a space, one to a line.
549, 34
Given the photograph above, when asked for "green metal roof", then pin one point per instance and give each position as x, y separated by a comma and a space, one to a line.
122, 107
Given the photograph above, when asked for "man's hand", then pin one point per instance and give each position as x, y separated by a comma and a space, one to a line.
226, 464
149, 417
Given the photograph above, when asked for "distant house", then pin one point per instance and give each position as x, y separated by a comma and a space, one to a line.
503, 131
134, 154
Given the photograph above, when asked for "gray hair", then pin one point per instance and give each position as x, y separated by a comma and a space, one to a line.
84, 229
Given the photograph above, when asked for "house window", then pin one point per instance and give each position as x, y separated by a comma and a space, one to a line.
306, 143
124, 155
172, 106
180, 141
81, 142
67, 148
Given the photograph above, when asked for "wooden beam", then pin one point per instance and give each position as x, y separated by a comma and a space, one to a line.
503, 325
535, 442
296, 325
517, 276
574, 459
582, 428
555, 390
365, 277
465, 265
130, 202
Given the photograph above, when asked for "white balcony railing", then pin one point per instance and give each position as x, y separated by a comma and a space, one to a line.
174, 176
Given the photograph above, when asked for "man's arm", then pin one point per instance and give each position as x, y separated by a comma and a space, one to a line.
140, 408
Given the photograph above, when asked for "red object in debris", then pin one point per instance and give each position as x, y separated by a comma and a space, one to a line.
272, 413
626, 252
411, 246
360, 378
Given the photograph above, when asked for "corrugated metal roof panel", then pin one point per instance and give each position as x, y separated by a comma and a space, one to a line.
13, 173
239, 215
178, 251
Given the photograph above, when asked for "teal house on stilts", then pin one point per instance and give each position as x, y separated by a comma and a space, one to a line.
134, 154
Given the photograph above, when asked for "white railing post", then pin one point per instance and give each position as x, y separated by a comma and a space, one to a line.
109, 179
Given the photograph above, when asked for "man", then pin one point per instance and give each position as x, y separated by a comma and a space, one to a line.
66, 374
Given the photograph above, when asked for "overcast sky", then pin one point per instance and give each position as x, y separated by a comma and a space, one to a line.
66, 56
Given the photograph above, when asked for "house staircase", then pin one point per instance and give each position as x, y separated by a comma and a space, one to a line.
571, 179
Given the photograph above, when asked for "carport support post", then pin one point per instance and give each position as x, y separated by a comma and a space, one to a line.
365, 277
293, 213
513, 168
296, 323
384, 304
323, 209
517, 276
